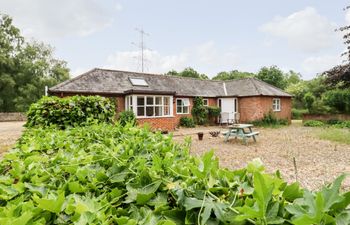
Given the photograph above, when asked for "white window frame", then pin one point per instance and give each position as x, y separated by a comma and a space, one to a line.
276, 104
134, 105
205, 100
185, 102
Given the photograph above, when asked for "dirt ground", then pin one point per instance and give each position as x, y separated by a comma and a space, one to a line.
9, 133
318, 162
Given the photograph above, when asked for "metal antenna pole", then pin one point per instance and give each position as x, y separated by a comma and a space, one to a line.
141, 46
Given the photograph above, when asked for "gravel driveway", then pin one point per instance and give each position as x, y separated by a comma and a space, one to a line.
9, 133
318, 161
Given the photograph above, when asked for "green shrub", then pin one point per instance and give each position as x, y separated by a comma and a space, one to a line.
127, 117
213, 114
342, 124
313, 123
297, 114
270, 119
105, 174
282, 122
186, 122
70, 111
338, 99
199, 111
213, 111
333, 121
309, 100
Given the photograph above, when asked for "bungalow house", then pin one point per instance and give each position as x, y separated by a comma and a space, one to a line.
162, 100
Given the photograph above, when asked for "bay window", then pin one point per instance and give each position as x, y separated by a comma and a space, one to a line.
149, 106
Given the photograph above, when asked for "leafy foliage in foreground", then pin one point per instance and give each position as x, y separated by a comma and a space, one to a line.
127, 117
70, 111
105, 174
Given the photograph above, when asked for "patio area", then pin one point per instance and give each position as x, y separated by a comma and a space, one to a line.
318, 161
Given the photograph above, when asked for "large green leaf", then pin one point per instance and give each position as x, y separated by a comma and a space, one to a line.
54, 205
292, 192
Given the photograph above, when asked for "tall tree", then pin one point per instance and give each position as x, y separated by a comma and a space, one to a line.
232, 75
339, 76
25, 68
188, 72
272, 75
292, 77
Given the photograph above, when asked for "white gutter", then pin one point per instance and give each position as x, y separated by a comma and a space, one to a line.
225, 88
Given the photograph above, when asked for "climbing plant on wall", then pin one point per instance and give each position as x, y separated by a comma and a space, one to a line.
199, 111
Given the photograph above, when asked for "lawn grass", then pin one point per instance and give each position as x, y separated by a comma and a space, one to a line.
335, 134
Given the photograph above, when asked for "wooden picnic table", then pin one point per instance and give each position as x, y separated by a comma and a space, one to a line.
243, 131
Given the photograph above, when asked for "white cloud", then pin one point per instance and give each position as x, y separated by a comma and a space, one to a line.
209, 54
118, 6
319, 64
305, 30
205, 57
347, 16
46, 19
153, 61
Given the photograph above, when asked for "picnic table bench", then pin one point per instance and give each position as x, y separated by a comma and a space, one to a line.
243, 131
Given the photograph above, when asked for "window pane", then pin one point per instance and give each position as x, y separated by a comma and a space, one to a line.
141, 111
130, 98
205, 102
186, 102
150, 100
149, 111
158, 111
178, 102
179, 109
166, 100
185, 109
158, 100
140, 101
166, 111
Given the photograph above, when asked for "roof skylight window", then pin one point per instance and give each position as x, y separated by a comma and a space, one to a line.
138, 82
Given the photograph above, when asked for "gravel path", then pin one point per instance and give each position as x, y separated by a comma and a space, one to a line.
9, 133
318, 161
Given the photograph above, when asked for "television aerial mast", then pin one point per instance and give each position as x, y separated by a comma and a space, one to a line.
141, 46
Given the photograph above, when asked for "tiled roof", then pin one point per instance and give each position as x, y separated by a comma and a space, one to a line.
103, 81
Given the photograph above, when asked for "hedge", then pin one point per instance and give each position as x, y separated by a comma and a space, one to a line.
70, 111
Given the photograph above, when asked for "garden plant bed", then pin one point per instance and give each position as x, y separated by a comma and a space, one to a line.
318, 161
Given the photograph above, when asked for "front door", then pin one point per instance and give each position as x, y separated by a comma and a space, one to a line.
228, 107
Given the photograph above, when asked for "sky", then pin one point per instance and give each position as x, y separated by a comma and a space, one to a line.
209, 36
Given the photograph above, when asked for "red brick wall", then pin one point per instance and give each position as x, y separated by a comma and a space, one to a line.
325, 117
159, 123
120, 103
254, 108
